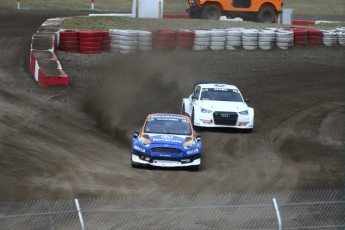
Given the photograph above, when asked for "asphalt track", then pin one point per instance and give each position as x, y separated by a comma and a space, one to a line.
68, 142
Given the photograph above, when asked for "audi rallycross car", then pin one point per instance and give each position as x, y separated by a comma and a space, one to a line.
218, 105
166, 140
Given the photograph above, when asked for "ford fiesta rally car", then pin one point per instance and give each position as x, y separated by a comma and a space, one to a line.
218, 105
166, 140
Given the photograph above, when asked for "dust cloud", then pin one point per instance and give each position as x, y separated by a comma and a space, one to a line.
137, 85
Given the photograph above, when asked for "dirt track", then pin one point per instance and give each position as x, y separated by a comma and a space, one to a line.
74, 142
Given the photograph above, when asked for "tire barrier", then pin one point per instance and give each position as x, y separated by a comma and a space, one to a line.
184, 39
163, 40
266, 39
341, 36
114, 40
250, 39
105, 40
315, 37
69, 41
128, 41
218, 39
284, 38
300, 36
47, 71
90, 41
145, 40
44, 65
202, 40
330, 37
233, 38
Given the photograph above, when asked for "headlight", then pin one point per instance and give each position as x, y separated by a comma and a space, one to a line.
143, 141
189, 144
245, 112
206, 110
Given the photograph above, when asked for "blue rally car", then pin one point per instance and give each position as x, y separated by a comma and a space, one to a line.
166, 140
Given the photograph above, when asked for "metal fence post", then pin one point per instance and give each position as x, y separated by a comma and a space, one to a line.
277, 213
82, 227
51, 220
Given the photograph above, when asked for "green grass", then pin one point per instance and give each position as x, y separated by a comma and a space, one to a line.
314, 8
307, 7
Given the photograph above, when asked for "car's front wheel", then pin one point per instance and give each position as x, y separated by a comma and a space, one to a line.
195, 168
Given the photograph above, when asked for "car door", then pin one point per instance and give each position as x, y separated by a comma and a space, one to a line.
194, 97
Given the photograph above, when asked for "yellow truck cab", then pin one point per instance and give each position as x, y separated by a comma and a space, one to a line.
252, 10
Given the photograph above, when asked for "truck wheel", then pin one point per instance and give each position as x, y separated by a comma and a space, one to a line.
211, 11
267, 15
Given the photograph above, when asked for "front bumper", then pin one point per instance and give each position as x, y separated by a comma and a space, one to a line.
233, 121
193, 160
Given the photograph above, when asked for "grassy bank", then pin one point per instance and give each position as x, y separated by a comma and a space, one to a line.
305, 7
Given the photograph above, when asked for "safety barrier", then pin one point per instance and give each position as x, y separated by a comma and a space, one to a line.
47, 70
44, 65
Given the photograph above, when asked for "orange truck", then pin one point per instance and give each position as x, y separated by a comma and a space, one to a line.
250, 10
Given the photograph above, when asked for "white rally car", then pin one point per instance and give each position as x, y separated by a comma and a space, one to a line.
218, 105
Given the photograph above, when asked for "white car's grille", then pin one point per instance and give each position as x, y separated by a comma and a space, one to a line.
225, 118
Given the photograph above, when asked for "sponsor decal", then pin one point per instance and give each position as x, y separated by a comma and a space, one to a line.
166, 140
207, 122
243, 123
220, 89
139, 148
167, 136
193, 151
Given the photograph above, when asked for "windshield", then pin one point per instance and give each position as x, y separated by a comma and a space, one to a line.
221, 94
168, 125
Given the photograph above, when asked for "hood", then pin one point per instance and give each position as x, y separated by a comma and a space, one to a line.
167, 139
223, 106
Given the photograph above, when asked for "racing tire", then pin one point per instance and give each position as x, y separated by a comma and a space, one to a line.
135, 166
211, 11
266, 15
196, 128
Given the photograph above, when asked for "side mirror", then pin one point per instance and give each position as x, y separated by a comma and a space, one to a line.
194, 97
198, 137
246, 100
136, 133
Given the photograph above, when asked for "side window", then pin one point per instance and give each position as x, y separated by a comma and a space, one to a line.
197, 91
194, 88
242, 3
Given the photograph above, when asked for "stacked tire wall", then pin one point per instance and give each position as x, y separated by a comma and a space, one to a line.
47, 70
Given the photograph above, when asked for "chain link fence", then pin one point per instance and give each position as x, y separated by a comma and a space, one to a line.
321, 209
